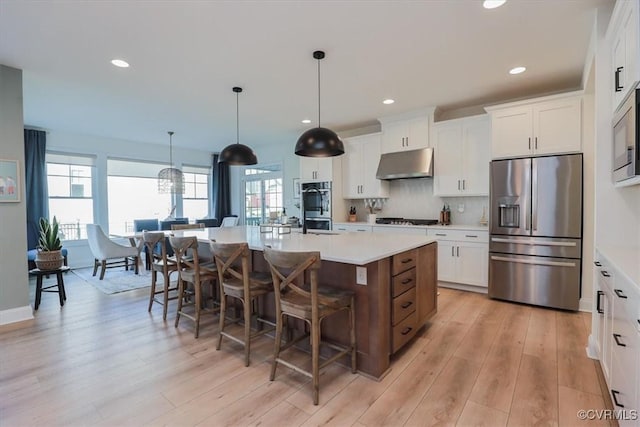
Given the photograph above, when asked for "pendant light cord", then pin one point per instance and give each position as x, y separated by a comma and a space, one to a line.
237, 117
319, 92
170, 149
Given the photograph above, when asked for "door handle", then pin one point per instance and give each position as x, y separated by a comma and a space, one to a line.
616, 338
598, 307
458, 251
440, 234
453, 248
406, 304
618, 86
536, 143
529, 143
614, 393
458, 185
463, 184
534, 195
605, 273
620, 293
532, 242
597, 263
526, 261
470, 235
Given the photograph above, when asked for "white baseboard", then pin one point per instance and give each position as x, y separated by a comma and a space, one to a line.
586, 304
17, 314
592, 348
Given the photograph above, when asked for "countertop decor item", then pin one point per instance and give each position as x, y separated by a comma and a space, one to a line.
49, 256
483, 219
238, 154
170, 180
319, 142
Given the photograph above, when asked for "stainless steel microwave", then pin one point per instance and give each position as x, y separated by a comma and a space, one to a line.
626, 138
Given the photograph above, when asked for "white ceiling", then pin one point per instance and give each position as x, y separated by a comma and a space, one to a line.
186, 56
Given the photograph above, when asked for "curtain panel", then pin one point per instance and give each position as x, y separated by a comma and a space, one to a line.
220, 189
36, 193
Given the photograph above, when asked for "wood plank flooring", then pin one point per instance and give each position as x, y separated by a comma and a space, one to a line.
103, 360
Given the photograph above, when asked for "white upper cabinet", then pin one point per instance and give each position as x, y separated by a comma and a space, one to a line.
462, 155
549, 125
405, 133
359, 166
623, 33
316, 169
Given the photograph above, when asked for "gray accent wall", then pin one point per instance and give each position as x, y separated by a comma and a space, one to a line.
14, 281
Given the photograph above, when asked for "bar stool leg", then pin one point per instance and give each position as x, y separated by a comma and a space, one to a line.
167, 283
38, 290
276, 349
198, 291
246, 305
180, 299
315, 359
152, 293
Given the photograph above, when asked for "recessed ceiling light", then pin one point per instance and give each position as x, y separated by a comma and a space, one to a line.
517, 70
388, 101
306, 121
120, 63
492, 4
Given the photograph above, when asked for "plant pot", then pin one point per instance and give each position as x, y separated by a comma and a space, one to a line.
49, 260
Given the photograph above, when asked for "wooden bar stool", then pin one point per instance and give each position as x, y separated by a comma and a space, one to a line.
160, 263
191, 270
242, 284
62, 294
310, 303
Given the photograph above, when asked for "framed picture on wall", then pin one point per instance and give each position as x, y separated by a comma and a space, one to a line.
9, 181
296, 188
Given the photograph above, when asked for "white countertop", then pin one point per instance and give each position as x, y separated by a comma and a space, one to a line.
349, 248
625, 258
438, 227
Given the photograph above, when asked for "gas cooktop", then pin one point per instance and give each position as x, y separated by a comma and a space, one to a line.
406, 221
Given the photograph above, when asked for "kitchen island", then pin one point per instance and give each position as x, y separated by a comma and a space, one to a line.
393, 276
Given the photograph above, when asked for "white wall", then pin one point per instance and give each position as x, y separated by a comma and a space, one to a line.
14, 282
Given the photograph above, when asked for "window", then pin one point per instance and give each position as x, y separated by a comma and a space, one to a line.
262, 193
195, 201
133, 194
70, 186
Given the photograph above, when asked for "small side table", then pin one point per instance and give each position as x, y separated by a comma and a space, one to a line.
59, 283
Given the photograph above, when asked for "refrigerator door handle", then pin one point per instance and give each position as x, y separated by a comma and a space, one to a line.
534, 195
526, 261
533, 242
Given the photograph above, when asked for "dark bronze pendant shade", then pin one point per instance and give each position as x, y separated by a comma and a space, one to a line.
319, 142
170, 180
238, 154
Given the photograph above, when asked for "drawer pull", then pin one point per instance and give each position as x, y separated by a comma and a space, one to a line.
599, 309
406, 260
441, 234
597, 263
405, 281
406, 304
406, 330
617, 337
470, 235
620, 293
614, 393
605, 273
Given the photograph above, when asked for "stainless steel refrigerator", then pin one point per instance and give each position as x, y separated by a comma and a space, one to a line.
535, 248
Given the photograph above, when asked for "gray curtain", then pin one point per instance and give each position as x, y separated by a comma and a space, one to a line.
220, 189
36, 194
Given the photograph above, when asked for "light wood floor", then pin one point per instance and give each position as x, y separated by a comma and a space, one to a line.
103, 360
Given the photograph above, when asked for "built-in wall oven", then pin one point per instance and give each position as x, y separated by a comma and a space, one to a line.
316, 205
626, 138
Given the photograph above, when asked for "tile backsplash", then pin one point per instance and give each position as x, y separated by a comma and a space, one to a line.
413, 198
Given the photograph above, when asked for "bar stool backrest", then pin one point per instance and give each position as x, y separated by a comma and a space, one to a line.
180, 246
226, 256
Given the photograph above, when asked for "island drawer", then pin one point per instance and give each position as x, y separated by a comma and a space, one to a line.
403, 261
404, 331
403, 282
403, 306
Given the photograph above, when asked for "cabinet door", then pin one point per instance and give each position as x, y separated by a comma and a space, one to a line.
417, 133
394, 136
352, 170
325, 169
475, 153
308, 168
630, 49
426, 283
557, 126
446, 261
372, 186
472, 263
618, 68
511, 132
447, 180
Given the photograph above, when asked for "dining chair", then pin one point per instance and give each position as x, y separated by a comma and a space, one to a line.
150, 224
311, 303
191, 271
161, 264
236, 281
186, 226
208, 222
108, 253
229, 221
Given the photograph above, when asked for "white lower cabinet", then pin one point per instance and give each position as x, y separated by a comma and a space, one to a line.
395, 229
463, 256
352, 227
618, 338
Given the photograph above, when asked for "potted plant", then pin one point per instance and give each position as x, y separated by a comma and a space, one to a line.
49, 256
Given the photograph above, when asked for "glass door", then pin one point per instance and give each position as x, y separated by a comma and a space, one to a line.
263, 199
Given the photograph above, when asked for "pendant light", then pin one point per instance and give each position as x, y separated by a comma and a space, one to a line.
319, 142
237, 154
170, 180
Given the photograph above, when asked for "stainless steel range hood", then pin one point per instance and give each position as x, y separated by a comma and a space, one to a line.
406, 164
